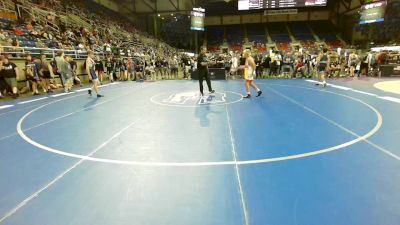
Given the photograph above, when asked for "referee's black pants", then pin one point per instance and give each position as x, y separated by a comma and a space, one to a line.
204, 74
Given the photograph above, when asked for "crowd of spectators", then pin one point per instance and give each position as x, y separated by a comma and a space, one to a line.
302, 63
126, 54
101, 28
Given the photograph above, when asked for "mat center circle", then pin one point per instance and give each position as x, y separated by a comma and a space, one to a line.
195, 99
309, 153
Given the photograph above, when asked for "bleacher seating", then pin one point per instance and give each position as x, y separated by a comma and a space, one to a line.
236, 47
256, 34
53, 30
234, 34
300, 31
278, 33
334, 44
283, 46
215, 35
324, 30
308, 44
260, 48
213, 48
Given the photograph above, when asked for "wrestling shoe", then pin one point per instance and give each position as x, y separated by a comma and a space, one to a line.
247, 96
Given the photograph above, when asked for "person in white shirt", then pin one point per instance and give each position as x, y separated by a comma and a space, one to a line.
234, 64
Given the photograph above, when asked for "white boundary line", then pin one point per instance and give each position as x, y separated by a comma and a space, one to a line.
365, 93
6, 106
387, 98
392, 99
33, 100
54, 96
340, 87
215, 163
82, 89
19, 109
65, 115
45, 187
337, 125
48, 185
234, 155
62, 94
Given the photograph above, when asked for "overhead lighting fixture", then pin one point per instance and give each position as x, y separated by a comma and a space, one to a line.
172, 14
158, 15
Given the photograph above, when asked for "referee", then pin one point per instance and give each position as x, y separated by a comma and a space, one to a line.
202, 67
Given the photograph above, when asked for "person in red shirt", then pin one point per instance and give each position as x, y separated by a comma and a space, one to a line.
18, 31
29, 26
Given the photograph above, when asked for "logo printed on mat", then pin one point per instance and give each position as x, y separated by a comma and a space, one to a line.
193, 97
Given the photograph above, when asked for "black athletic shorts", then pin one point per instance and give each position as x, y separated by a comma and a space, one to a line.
46, 74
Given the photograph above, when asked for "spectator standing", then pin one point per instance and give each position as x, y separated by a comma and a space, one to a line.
124, 69
64, 69
74, 67
139, 70
99, 69
69, 74
110, 67
3, 84
46, 73
131, 68
266, 65
273, 64
165, 68
174, 67
158, 68
288, 64
10, 73
259, 67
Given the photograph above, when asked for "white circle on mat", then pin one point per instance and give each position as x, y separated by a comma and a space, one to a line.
211, 163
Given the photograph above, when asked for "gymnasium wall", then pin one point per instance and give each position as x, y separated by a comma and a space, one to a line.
260, 18
109, 4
